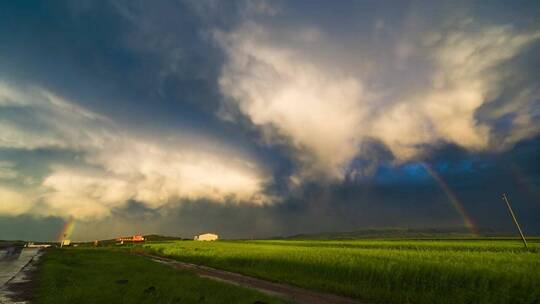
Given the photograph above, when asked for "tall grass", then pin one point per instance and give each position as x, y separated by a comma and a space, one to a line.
467, 271
105, 276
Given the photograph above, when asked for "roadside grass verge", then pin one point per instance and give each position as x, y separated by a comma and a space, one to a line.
107, 276
381, 271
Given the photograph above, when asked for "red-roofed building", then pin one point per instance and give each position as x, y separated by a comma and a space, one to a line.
134, 239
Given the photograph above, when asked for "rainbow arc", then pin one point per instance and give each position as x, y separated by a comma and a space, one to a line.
454, 200
67, 230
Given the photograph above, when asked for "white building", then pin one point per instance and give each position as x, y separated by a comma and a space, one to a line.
32, 245
206, 237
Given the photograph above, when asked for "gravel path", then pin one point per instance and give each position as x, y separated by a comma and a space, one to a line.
289, 292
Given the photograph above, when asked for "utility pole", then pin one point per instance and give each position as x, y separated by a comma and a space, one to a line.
505, 198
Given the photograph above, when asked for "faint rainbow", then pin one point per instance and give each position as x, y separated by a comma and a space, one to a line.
456, 203
523, 183
67, 229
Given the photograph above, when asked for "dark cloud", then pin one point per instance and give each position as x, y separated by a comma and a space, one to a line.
408, 198
142, 91
30, 228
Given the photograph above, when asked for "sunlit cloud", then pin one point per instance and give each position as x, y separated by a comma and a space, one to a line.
464, 78
34, 118
114, 166
320, 112
13, 202
326, 112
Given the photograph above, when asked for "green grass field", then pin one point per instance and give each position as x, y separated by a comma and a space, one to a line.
382, 271
106, 276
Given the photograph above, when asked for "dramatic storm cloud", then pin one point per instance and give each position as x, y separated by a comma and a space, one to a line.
326, 111
262, 118
113, 167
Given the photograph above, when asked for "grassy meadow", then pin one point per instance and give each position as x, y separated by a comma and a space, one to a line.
381, 271
112, 276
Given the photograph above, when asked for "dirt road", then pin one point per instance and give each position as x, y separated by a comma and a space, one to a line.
289, 292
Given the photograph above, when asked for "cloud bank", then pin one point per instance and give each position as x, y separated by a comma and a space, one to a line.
326, 112
112, 167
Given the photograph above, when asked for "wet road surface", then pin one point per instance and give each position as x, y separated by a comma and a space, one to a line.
15, 264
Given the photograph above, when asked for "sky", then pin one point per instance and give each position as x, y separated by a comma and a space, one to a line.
258, 118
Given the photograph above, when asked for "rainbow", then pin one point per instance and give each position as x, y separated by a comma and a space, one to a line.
456, 203
523, 183
67, 230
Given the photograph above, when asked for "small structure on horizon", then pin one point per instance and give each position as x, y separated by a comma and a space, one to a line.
65, 243
32, 245
206, 237
133, 239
